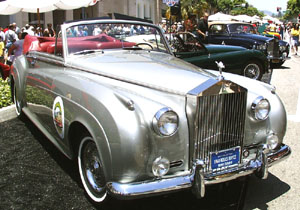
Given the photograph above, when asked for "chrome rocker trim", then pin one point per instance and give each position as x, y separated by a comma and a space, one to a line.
197, 180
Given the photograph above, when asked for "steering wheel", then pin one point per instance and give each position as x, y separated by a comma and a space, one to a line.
144, 43
179, 44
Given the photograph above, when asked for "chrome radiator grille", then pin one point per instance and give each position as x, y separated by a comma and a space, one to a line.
220, 121
273, 48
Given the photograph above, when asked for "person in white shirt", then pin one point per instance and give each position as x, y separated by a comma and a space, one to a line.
97, 30
2, 34
28, 30
16, 48
10, 36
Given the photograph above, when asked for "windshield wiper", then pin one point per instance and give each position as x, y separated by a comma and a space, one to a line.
84, 52
132, 48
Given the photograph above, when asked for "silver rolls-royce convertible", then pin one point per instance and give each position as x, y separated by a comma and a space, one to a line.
139, 121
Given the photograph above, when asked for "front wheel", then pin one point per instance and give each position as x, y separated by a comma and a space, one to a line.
253, 70
91, 170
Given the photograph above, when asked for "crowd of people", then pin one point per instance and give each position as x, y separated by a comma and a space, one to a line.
199, 28
292, 36
289, 32
12, 38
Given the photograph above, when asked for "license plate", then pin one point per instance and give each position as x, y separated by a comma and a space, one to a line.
225, 158
275, 61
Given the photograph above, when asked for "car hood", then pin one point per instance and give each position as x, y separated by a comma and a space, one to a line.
212, 48
259, 38
252, 36
151, 69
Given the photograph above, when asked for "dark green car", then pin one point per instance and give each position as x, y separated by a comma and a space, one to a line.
238, 60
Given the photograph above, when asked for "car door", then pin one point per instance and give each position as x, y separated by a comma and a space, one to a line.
41, 89
218, 34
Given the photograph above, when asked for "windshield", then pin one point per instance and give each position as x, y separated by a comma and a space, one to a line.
241, 28
90, 38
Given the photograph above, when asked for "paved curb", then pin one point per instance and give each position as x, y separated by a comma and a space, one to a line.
7, 113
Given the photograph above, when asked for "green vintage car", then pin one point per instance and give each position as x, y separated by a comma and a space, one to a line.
238, 60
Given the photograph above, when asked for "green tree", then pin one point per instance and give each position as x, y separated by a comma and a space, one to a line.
293, 9
250, 11
198, 7
225, 5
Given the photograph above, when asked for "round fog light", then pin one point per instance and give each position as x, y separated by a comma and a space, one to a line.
272, 141
160, 166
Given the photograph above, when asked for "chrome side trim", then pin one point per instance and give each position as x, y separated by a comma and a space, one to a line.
46, 57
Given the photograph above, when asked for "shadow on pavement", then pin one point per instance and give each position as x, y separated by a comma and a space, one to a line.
260, 192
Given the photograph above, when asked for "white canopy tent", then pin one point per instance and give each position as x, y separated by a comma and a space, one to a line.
241, 18
257, 19
9, 7
268, 18
245, 18
220, 17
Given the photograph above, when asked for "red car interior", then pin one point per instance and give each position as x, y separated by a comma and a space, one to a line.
75, 44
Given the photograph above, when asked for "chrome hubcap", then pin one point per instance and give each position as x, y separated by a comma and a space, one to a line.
91, 169
252, 71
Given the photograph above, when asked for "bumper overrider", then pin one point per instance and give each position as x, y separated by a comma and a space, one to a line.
197, 179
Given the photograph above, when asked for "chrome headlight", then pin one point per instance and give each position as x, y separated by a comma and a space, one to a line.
260, 108
165, 122
282, 48
261, 47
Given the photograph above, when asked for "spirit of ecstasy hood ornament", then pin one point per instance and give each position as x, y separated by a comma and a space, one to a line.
220, 66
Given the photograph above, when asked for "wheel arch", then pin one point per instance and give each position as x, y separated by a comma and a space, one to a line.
83, 126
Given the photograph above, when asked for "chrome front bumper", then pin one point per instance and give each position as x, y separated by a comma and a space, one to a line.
197, 179
274, 59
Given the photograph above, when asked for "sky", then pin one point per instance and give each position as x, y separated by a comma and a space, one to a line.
270, 5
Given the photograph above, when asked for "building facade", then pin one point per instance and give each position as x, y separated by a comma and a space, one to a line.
145, 9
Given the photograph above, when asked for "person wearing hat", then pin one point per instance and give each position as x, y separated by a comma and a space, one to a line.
202, 27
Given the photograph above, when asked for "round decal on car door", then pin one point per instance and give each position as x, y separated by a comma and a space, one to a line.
58, 115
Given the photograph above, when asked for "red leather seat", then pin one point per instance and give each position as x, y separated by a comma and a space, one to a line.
75, 44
